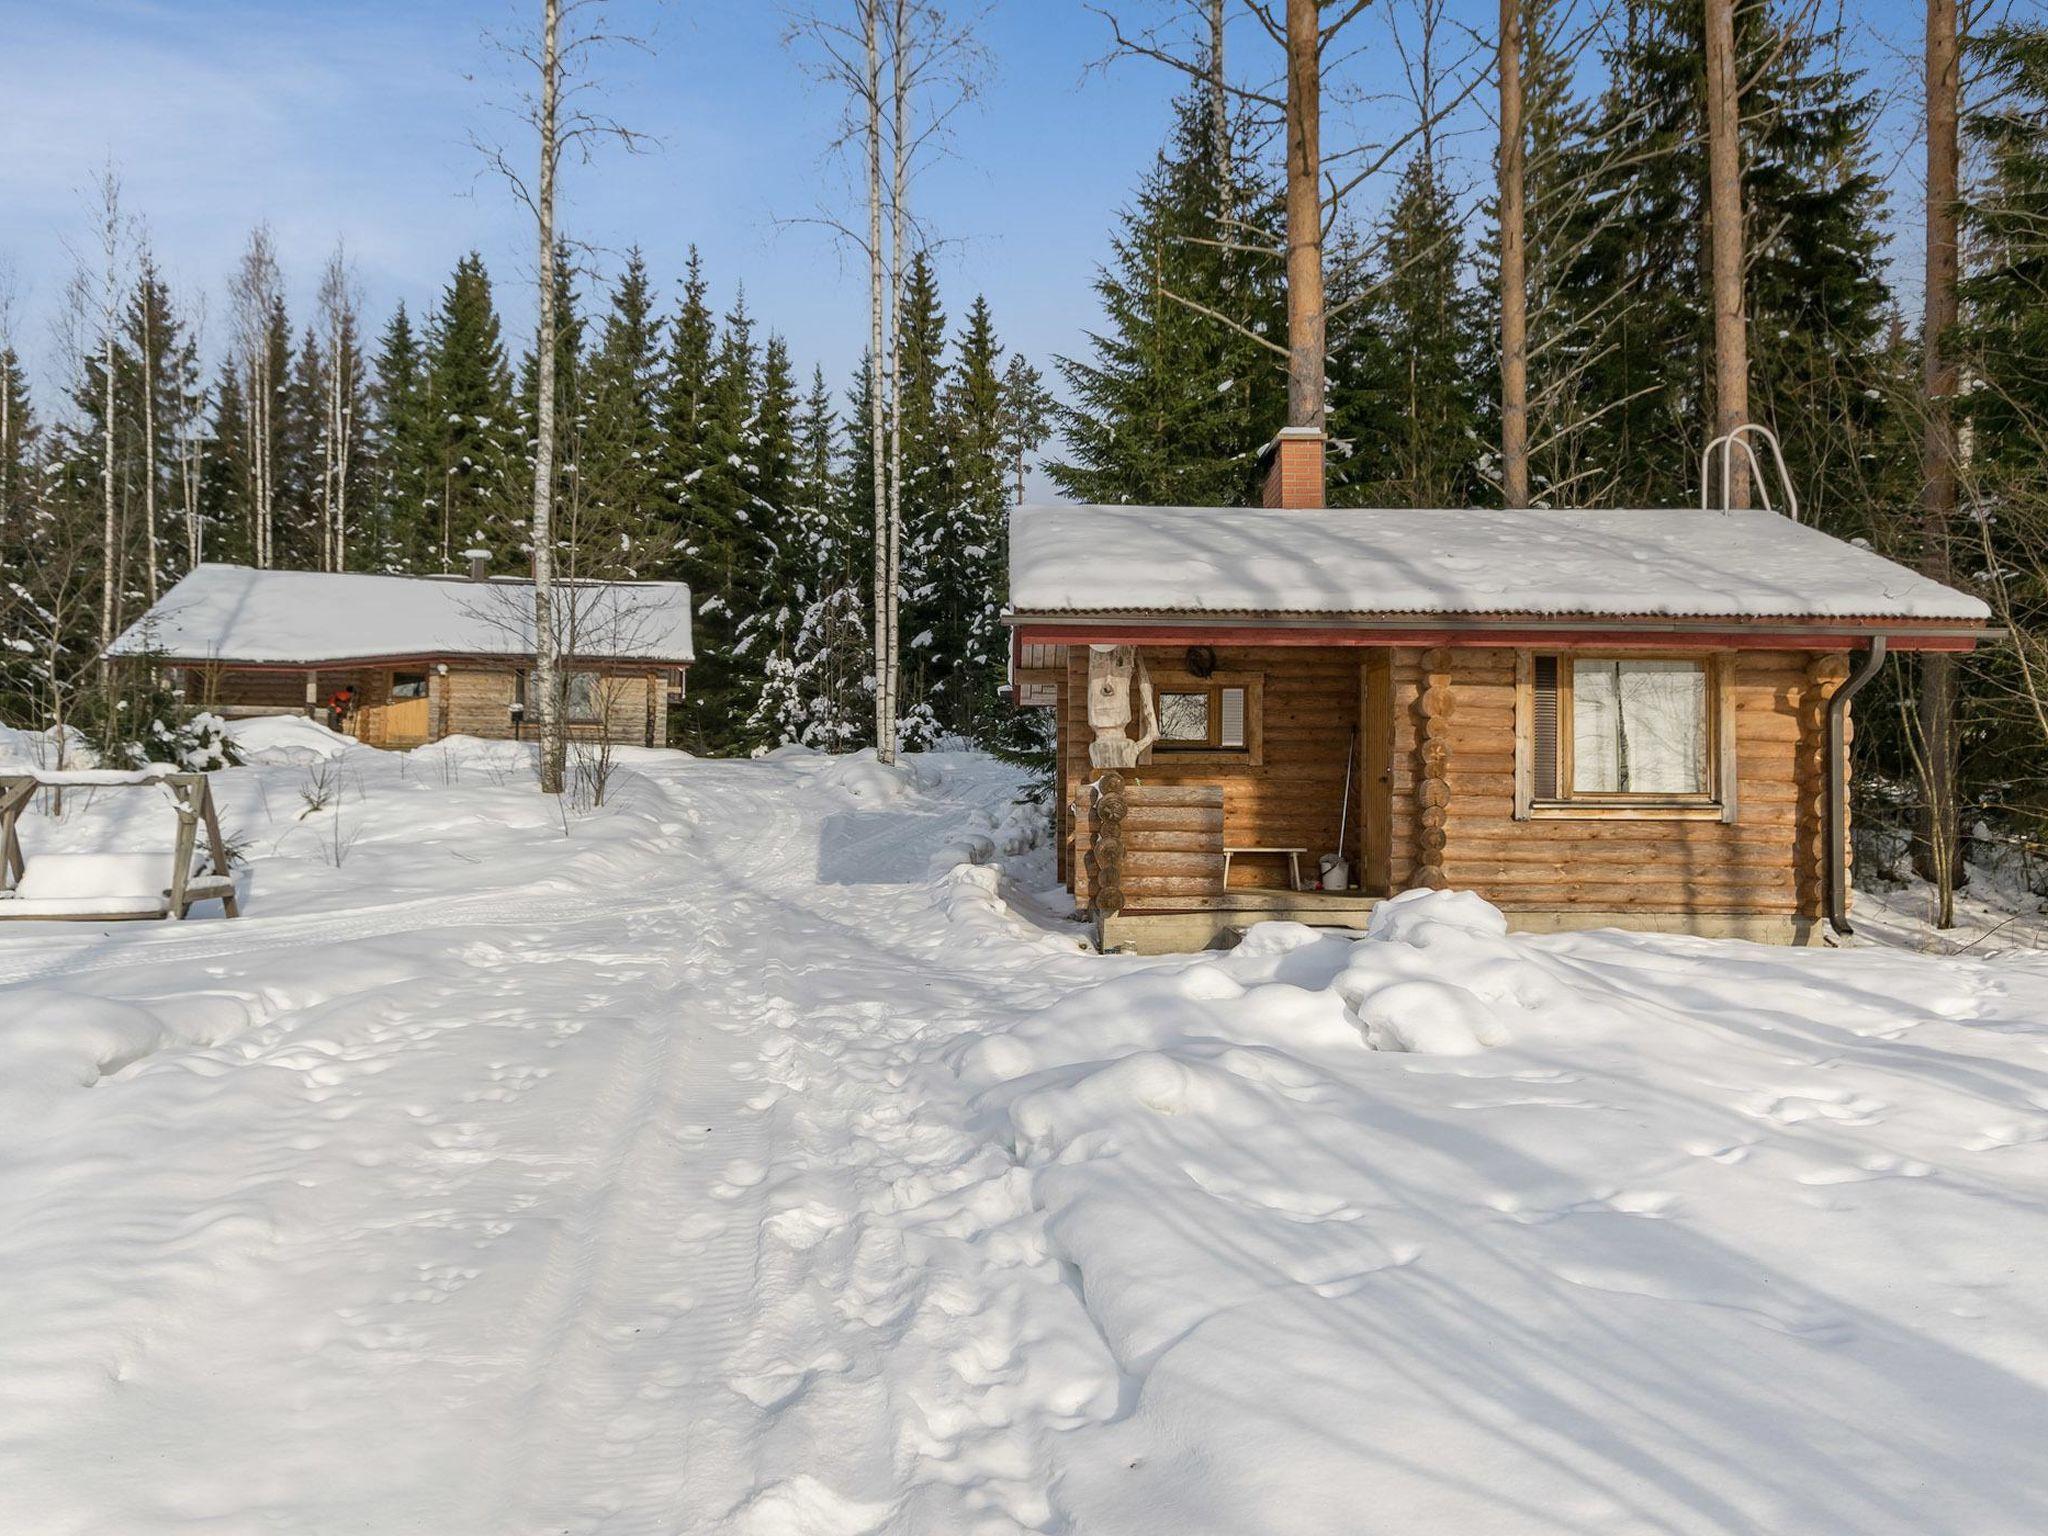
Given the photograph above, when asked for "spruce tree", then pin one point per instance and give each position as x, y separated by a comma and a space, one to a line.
474, 496
225, 514
1172, 406
404, 448
618, 449
721, 553
685, 392
925, 472
1411, 370
1816, 301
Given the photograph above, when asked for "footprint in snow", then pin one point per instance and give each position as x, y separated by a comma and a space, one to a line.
1879, 1165
741, 1175
1801, 1104
2012, 1133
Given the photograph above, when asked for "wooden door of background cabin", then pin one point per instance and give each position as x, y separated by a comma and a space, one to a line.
405, 717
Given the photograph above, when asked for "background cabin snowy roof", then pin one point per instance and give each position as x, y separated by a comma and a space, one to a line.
234, 613
1667, 563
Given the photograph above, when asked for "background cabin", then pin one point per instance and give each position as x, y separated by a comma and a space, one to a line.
398, 661
1591, 718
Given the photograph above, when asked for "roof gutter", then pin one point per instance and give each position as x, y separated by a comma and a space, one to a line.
1837, 842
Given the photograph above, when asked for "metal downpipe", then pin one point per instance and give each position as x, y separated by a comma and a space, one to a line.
1838, 787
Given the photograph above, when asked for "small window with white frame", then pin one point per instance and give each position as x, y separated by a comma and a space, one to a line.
1624, 734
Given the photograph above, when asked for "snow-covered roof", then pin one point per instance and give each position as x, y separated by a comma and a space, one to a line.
234, 613
1609, 564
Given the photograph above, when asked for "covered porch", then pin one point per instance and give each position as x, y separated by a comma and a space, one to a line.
1270, 794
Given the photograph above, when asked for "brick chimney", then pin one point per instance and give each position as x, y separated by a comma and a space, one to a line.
1294, 468
479, 564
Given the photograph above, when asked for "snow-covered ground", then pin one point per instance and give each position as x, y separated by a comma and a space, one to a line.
736, 1158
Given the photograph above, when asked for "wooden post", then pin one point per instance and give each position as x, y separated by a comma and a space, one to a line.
1433, 789
186, 793
312, 694
1824, 676
216, 847
1111, 806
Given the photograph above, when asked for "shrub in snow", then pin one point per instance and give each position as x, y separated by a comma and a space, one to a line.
202, 743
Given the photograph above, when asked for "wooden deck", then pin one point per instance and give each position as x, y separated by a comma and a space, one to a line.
1211, 922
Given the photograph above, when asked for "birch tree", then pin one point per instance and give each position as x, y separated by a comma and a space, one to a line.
906, 67
256, 303
340, 430
559, 57
98, 287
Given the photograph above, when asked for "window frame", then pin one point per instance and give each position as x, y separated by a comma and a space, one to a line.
1163, 753
1717, 802
596, 714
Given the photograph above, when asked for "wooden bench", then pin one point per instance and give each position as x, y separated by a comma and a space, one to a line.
1292, 855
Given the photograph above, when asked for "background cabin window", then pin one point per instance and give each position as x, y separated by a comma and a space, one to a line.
581, 697
408, 685
1202, 719
1605, 728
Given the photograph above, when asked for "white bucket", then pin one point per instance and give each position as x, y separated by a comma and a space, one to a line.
1335, 872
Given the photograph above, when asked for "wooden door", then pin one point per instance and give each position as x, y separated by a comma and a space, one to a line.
405, 716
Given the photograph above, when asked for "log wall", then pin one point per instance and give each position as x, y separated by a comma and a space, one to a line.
463, 701
1293, 798
1766, 861
1436, 784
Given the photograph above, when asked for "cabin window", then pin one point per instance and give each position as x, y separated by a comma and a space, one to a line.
1206, 719
1622, 733
408, 685
582, 697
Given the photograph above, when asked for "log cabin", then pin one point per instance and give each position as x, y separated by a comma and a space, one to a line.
1631, 719
399, 661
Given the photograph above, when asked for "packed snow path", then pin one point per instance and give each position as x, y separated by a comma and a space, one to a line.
555, 1210
728, 1160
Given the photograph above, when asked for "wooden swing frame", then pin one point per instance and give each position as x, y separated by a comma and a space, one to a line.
191, 796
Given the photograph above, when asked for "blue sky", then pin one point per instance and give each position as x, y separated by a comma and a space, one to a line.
353, 121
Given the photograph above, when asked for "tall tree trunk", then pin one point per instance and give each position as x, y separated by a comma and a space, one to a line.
885, 716
1724, 200
899, 193
1937, 842
1305, 322
149, 444
1219, 113
553, 746
1514, 279
110, 527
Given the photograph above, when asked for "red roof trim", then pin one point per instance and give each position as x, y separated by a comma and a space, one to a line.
1204, 632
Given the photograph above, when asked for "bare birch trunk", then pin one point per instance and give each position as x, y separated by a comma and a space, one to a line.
553, 746
1514, 279
878, 463
1937, 841
110, 318
1305, 320
149, 447
1724, 176
899, 191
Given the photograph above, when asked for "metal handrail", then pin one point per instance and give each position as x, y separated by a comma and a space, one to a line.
1728, 442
